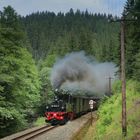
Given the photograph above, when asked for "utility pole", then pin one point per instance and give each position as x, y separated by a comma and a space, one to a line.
124, 115
110, 89
124, 125
109, 86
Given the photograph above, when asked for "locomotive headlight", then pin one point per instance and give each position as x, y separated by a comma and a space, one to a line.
62, 107
47, 107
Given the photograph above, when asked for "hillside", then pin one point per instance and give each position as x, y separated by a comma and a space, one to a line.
108, 124
30, 46
59, 34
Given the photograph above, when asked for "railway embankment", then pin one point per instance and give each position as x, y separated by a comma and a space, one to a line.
62, 132
108, 125
86, 132
68, 131
19, 135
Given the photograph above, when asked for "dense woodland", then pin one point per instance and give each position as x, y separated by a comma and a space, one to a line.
30, 45
74, 31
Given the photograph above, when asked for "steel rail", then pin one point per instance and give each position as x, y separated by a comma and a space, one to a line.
34, 133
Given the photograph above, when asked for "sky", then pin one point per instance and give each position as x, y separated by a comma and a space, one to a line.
26, 7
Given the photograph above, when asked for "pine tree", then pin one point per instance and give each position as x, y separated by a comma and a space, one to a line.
73, 31
132, 11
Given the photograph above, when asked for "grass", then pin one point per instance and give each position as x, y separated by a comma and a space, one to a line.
108, 126
87, 132
89, 135
79, 135
40, 121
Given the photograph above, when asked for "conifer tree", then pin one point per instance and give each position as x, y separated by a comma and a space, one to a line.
19, 81
132, 12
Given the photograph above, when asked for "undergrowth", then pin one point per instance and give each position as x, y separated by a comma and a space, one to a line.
40, 121
109, 123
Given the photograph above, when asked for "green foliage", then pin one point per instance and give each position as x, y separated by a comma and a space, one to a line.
45, 67
132, 12
136, 74
109, 122
13, 19
52, 35
19, 79
116, 87
48, 61
73, 31
40, 121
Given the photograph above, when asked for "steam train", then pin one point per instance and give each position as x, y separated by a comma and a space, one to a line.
67, 107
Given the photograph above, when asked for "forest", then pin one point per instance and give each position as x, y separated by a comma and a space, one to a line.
30, 45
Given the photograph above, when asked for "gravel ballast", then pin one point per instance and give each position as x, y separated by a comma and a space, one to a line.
67, 131
63, 132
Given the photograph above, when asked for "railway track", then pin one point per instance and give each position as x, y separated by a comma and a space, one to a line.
32, 134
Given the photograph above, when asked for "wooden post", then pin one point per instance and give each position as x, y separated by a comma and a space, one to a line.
91, 103
124, 115
124, 125
91, 117
110, 90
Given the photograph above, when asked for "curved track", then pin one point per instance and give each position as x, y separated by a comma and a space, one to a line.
34, 133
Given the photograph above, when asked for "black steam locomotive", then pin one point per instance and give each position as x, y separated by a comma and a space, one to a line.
67, 107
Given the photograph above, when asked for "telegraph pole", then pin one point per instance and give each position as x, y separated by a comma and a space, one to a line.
109, 86
110, 90
124, 125
124, 115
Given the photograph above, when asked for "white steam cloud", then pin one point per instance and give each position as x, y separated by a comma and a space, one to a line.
78, 72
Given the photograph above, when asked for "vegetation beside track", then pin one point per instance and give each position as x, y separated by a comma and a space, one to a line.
29, 47
87, 132
40, 121
108, 126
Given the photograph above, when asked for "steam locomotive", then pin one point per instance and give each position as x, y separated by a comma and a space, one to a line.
67, 107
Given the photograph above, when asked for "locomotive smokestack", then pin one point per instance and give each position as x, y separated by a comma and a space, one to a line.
76, 71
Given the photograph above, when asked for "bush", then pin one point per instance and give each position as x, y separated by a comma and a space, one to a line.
108, 126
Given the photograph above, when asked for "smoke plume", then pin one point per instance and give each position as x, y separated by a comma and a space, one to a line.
78, 72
